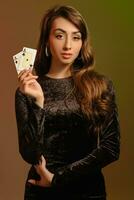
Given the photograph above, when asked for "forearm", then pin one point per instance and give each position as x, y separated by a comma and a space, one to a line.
30, 123
30, 149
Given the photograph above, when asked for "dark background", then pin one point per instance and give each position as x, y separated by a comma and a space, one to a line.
111, 25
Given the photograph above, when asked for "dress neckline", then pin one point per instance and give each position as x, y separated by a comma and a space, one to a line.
62, 78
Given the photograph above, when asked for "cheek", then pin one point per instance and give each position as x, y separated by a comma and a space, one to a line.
78, 48
55, 46
52, 47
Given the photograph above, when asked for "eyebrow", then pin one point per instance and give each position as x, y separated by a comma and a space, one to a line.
60, 29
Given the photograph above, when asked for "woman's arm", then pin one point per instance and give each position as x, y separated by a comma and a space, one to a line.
30, 123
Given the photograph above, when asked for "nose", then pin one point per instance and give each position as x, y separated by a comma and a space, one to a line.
67, 44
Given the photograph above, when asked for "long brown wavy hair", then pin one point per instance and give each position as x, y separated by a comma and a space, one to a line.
91, 88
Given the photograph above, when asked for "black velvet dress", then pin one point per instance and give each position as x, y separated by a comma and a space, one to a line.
65, 137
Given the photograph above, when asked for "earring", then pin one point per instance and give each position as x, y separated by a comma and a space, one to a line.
46, 52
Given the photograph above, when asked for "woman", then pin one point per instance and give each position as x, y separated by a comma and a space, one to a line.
66, 114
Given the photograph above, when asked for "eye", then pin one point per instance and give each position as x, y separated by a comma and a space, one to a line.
76, 38
59, 36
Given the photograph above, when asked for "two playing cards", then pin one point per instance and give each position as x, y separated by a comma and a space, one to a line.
24, 59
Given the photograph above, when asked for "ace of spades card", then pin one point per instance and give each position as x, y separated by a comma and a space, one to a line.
17, 59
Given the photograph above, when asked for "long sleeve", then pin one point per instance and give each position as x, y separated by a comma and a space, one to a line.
30, 123
106, 151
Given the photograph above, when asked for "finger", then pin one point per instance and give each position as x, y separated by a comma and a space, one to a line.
33, 182
41, 159
28, 78
24, 74
24, 88
26, 83
27, 70
21, 72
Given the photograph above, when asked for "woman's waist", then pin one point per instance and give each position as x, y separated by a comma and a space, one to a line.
87, 187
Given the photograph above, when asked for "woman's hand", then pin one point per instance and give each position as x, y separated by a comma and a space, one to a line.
45, 175
29, 86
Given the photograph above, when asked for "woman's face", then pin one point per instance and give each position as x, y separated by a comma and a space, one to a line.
65, 41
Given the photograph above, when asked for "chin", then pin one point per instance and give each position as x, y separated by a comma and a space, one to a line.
67, 61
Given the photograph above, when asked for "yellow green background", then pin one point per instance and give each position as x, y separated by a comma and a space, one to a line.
111, 26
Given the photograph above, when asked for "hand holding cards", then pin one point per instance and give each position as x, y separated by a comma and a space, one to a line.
24, 59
